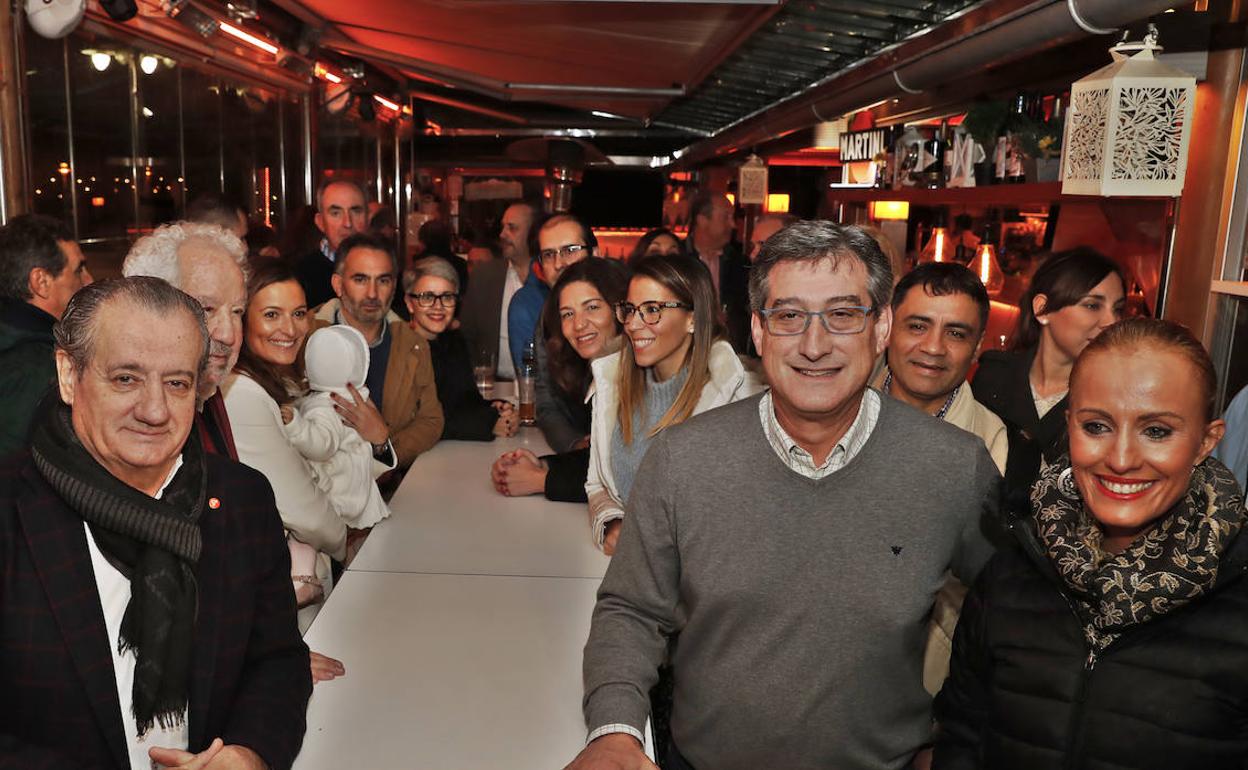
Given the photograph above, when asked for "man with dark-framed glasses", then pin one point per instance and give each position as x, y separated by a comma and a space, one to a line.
794, 541
562, 240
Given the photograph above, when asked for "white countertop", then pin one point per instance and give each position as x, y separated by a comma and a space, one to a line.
447, 518
450, 672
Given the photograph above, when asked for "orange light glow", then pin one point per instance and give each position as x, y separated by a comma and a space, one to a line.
63, 169
247, 37
384, 102
322, 72
97, 201
778, 203
732, 199
890, 210
937, 248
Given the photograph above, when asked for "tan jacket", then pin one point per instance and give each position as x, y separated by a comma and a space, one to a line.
972, 417
410, 399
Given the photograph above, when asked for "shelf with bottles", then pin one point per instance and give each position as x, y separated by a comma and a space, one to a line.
988, 195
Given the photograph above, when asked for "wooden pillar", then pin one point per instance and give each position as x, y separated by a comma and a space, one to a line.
13, 197
1200, 238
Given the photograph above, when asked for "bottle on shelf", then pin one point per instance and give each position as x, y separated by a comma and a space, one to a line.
936, 149
526, 385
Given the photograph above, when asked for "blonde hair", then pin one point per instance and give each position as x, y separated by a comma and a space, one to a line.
690, 280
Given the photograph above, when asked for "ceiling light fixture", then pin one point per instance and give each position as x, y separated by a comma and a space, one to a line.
148, 63
321, 72
384, 102
100, 61
247, 37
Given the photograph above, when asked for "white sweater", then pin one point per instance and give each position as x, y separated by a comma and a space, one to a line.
729, 382
306, 511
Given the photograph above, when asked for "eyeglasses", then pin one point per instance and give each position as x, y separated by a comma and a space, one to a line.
563, 252
427, 298
788, 321
651, 312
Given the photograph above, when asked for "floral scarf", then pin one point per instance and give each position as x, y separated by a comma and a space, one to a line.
1169, 566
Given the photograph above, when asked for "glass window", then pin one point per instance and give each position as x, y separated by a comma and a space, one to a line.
49, 146
99, 77
159, 139
201, 129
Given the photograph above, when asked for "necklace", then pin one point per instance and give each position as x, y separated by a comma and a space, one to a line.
888, 384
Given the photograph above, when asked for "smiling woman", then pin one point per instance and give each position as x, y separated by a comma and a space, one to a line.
1134, 555
266, 379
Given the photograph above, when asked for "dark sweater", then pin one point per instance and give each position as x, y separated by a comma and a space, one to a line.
1171, 694
1002, 383
469, 417
27, 369
801, 605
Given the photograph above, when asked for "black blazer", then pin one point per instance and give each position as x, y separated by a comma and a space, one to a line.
250, 674
469, 417
734, 294
315, 272
481, 309
1002, 383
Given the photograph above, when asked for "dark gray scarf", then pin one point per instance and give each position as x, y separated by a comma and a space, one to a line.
154, 543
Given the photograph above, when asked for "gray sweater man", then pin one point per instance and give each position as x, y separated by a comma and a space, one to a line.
795, 543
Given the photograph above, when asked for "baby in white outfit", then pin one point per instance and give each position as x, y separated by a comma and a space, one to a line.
341, 460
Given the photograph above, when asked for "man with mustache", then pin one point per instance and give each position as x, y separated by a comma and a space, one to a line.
210, 264
940, 312
401, 413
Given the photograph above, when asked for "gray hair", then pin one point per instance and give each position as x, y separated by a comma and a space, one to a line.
816, 240
75, 332
156, 254
435, 266
325, 184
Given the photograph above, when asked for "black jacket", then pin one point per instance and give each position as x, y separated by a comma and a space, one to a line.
1002, 383
315, 272
1024, 693
469, 417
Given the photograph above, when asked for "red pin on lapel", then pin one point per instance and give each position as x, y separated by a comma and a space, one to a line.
214, 503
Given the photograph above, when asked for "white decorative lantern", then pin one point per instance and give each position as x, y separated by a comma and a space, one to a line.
1128, 126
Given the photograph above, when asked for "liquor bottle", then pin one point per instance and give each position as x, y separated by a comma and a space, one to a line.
935, 149
526, 384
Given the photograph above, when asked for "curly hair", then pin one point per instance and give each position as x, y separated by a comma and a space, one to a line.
156, 254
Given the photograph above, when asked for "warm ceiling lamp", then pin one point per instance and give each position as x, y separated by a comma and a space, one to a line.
882, 211
778, 203
248, 38
384, 102
986, 267
938, 248
322, 72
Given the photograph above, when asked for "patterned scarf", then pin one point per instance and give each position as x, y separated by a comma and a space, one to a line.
154, 543
1170, 565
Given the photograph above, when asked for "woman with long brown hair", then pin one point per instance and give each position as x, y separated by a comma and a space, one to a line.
677, 363
1073, 296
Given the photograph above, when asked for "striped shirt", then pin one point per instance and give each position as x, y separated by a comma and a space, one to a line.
799, 460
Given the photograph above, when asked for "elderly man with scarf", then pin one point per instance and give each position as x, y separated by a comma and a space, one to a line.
146, 614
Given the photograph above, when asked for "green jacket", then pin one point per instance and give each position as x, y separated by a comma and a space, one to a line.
27, 370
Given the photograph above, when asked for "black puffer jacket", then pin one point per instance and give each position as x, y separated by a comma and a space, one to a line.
1024, 693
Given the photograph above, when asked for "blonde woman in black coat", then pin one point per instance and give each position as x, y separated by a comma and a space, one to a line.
1115, 635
